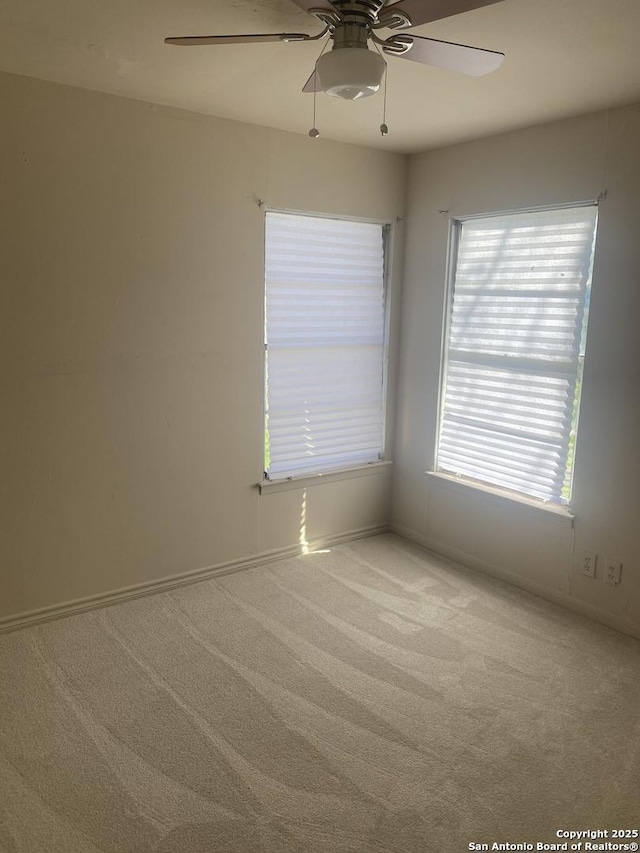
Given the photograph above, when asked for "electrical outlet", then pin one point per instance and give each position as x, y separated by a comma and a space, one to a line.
612, 571
588, 563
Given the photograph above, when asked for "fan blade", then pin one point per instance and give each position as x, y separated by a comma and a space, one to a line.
474, 61
425, 11
195, 41
312, 84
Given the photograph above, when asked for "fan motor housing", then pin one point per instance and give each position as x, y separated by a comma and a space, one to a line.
350, 35
368, 8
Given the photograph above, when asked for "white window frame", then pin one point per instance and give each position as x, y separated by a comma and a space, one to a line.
330, 473
456, 223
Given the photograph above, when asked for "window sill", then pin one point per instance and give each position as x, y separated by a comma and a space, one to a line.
269, 487
561, 513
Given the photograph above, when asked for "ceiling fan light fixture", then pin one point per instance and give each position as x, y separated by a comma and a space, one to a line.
350, 73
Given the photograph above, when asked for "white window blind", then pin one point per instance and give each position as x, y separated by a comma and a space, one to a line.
513, 358
325, 343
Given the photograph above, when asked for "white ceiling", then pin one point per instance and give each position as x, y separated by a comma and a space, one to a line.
563, 57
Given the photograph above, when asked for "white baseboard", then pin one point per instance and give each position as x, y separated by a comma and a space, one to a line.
471, 562
93, 602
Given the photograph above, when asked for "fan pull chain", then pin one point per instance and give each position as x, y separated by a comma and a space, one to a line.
314, 133
383, 127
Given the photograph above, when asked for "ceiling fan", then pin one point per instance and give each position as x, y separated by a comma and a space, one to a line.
351, 69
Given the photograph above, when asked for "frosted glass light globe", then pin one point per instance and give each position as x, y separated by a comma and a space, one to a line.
350, 73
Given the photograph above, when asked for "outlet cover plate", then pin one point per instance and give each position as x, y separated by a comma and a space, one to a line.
588, 563
612, 572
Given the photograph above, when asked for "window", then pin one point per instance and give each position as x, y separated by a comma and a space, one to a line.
514, 347
325, 348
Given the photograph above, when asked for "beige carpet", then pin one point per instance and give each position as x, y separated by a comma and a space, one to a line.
370, 698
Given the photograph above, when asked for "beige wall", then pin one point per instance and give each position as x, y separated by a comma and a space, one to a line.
562, 162
131, 303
